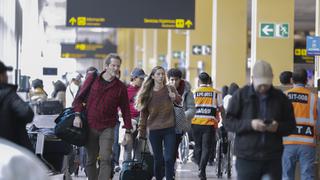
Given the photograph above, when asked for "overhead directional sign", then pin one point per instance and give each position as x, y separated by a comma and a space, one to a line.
87, 50
300, 56
313, 45
274, 30
201, 50
164, 14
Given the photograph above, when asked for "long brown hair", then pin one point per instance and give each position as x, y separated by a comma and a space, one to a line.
145, 93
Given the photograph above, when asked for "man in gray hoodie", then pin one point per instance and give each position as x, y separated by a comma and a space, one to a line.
184, 89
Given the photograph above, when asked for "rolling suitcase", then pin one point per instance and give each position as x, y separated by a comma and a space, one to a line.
148, 163
133, 170
138, 170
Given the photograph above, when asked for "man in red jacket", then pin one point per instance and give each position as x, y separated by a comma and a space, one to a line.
103, 95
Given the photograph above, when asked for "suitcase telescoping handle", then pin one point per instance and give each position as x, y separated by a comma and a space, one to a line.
135, 148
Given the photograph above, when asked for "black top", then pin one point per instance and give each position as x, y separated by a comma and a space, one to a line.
14, 115
243, 108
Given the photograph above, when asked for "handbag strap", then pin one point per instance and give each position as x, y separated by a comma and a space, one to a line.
135, 148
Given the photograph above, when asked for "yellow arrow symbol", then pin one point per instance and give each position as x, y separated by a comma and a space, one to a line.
72, 21
188, 23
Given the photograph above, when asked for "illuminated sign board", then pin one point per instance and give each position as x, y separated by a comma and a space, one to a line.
301, 56
160, 14
87, 50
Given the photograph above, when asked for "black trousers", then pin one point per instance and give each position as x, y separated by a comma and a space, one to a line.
203, 136
258, 169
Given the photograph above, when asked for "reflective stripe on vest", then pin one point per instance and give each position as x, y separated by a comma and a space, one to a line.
304, 103
206, 106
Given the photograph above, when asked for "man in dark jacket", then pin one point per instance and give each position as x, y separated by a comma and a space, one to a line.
260, 115
14, 112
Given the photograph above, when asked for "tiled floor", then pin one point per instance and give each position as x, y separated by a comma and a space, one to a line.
184, 172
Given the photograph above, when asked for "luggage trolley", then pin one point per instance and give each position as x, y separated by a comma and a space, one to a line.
44, 138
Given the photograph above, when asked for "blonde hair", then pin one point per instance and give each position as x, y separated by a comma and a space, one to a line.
145, 93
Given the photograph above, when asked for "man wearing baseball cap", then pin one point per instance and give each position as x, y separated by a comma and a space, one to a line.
260, 115
14, 112
136, 80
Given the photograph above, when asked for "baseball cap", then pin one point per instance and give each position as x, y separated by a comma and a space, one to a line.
4, 68
262, 73
37, 83
138, 72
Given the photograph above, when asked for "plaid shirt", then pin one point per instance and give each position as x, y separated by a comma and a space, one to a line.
103, 100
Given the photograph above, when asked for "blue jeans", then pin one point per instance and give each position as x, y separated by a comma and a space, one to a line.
306, 156
167, 137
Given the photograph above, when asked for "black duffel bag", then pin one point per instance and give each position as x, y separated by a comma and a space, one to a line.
66, 131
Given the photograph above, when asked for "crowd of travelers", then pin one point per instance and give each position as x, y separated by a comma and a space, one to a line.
272, 128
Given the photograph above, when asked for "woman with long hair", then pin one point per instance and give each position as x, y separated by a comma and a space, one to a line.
155, 103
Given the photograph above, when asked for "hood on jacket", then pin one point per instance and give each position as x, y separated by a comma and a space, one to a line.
187, 86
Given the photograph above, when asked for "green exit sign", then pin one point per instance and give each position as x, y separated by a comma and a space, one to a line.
274, 30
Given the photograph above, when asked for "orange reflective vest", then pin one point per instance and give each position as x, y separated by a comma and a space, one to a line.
207, 100
305, 110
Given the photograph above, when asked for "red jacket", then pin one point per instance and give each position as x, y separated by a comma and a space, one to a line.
132, 92
103, 101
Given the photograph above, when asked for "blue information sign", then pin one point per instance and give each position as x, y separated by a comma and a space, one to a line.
313, 45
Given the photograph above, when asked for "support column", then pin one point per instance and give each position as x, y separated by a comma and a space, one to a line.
229, 42
162, 48
148, 49
138, 47
126, 51
273, 34
178, 48
201, 35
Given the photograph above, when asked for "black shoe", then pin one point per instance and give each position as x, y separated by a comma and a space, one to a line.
202, 175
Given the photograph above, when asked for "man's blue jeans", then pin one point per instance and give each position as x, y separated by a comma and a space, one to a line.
167, 137
306, 156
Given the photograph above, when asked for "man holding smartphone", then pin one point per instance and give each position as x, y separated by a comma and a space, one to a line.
260, 115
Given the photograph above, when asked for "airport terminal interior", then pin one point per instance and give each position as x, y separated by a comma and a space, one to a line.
55, 41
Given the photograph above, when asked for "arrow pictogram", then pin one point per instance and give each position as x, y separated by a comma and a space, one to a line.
72, 21
188, 23
266, 30
197, 50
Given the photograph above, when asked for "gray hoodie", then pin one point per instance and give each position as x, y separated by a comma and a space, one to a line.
188, 102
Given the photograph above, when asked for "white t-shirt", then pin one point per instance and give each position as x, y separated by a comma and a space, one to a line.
71, 92
226, 101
